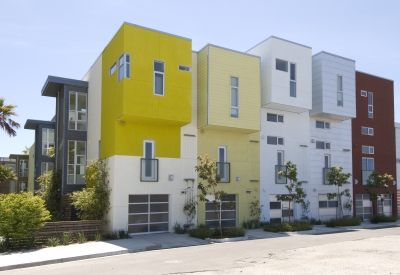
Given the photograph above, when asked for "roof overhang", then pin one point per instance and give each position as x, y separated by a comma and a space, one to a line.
32, 124
15, 156
53, 84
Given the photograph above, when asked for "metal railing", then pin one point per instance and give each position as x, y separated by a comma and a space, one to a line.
279, 179
224, 171
149, 170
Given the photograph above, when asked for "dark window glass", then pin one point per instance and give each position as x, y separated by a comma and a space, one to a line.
275, 205
281, 65
272, 117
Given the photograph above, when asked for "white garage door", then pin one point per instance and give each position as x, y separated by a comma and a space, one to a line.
148, 214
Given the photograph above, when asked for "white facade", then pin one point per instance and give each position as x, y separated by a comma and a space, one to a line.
328, 71
397, 128
293, 123
330, 129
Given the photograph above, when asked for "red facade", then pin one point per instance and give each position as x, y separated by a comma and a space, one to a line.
383, 139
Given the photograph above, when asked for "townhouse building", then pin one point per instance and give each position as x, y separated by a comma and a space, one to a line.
374, 142
228, 122
286, 98
333, 107
21, 171
8, 186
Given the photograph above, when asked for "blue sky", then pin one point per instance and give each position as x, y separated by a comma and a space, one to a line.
63, 38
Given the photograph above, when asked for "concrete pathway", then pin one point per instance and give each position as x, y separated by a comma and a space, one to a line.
139, 243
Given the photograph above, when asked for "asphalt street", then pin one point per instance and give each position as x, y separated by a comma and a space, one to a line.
368, 251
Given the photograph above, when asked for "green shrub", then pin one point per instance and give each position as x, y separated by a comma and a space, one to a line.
383, 218
178, 229
30, 242
50, 184
123, 234
112, 235
251, 224
65, 238
97, 237
288, 227
81, 237
314, 221
349, 221
93, 202
20, 214
4, 245
234, 232
201, 231
53, 241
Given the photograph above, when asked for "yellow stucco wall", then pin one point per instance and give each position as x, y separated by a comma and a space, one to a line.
130, 110
214, 76
243, 154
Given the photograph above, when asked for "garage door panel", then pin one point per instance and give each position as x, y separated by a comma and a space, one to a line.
158, 198
142, 218
138, 208
159, 207
159, 217
142, 228
158, 227
138, 198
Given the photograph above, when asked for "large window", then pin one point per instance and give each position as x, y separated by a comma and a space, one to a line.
323, 145
159, 78
322, 124
367, 149
23, 167
234, 97
281, 65
367, 131
367, 169
149, 165
274, 118
339, 90
124, 66
292, 80
76, 162
280, 167
47, 140
77, 111
47, 167
370, 105
223, 164
274, 140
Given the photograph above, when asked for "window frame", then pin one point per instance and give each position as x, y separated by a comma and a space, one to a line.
325, 123
277, 140
325, 145
48, 143
126, 66
340, 91
153, 151
287, 65
277, 118
371, 113
293, 80
76, 112
370, 131
75, 161
364, 93
46, 167
154, 78
367, 159
370, 149
230, 97
113, 68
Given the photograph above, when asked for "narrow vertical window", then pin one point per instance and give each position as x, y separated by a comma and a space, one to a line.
339, 90
159, 78
292, 80
234, 97
124, 66
327, 166
149, 165
121, 67
127, 65
223, 165
76, 162
370, 105
47, 140
77, 111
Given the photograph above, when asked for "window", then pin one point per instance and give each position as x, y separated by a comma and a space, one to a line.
327, 168
274, 140
77, 111
23, 167
363, 93
159, 78
339, 90
322, 124
113, 69
185, 68
292, 80
281, 65
367, 131
274, 118
323, 145
234, 97
370, 105
124, 66
149, 165
76, 162
367, 149
280, 167
223, 165
23, 186
368, 164
328, 204
280, 160
47, 140
47, 167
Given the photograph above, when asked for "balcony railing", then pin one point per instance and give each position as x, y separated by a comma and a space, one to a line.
224, 171
279, 179
148, 169
365, 175
325, 172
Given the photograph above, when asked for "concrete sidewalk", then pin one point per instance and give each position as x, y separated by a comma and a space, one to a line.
148, 242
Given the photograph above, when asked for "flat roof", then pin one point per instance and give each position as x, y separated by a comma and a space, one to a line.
275, 37
54, 83
14, 156
32, 124
335, 55
375, 75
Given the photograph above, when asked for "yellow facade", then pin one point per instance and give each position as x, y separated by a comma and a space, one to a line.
216, 128
216, 66
131, 112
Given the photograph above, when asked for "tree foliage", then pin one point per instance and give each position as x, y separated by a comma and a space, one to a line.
6, 123
20, 214
50, 192
93, 202
337, 178
377, 185
207, 170
296, 193
6, 173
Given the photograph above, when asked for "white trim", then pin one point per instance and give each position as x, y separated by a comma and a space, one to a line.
364, 93
225, 153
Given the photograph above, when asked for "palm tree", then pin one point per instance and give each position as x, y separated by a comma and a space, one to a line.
6, 123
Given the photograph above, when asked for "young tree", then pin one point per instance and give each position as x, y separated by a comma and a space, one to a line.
377, 185
208, 171
337, 178
296, 192
6, 173
6, 123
